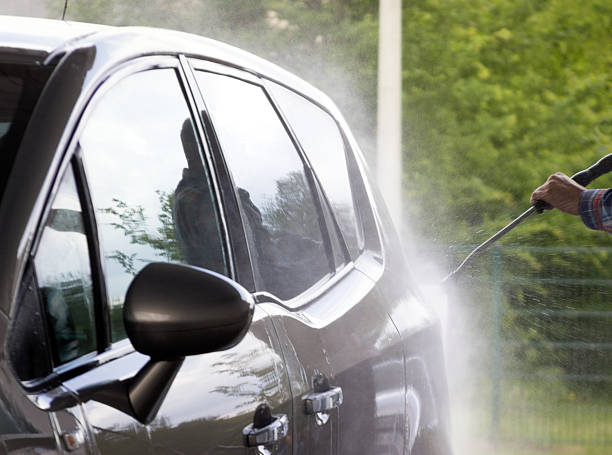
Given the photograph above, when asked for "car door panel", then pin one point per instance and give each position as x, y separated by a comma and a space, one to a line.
346, 335
214, 396
211, 400
23, 427
419, 326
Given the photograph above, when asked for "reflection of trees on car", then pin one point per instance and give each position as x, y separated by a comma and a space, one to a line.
292, 209
132, 221
286, 230
286, 234
247, 366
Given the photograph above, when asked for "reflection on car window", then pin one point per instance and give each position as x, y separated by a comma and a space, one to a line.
64, 276
20, 87
277, 204
318, 134
150, 190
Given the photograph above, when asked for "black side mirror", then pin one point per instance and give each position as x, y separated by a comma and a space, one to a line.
172, 311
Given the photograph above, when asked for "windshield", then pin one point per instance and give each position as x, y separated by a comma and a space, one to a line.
20, 86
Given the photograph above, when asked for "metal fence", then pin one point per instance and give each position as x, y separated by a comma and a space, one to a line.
551, 345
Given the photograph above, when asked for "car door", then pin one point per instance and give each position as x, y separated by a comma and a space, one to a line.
342, 351
143, 183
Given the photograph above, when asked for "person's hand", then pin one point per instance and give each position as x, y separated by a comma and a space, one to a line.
561, 192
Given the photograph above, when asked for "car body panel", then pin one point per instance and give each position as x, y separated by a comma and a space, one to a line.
211, 401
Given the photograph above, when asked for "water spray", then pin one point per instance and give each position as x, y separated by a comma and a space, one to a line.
603, 166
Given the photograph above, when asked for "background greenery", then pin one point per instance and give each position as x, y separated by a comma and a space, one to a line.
497, 94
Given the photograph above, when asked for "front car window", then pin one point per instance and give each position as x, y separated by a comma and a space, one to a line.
20, 86
149, 186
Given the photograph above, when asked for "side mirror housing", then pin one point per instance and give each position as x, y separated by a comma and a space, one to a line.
172, 311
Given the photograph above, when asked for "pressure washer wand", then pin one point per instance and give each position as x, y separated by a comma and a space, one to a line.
603, 166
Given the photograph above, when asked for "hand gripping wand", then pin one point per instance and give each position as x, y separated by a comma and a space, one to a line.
603, 166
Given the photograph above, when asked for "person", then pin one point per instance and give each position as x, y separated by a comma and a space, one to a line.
193, 210
563, 193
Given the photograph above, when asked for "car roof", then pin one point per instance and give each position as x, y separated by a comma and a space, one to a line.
42, 35
48, 38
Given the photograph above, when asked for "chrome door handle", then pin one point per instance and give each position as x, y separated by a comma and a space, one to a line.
322, 401
272, 433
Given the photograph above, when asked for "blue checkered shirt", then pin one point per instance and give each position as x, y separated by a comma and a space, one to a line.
596, 209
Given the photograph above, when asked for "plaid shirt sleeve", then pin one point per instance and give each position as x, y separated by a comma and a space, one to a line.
596, 209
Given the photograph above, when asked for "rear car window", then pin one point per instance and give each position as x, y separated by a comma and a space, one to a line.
276, 200
320, 137
20, 87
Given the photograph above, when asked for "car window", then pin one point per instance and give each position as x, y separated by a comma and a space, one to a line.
277, 204
149, 186
20, 87
64, 276
320, 137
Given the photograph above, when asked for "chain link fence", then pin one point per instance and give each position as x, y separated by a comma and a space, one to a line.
549, 329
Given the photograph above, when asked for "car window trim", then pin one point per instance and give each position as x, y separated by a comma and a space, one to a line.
188, 88
98, 278
309, 295
223, 69
225, 185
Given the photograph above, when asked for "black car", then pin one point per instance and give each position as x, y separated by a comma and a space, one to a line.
193, 260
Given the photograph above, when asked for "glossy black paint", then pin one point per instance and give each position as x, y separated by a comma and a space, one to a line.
366, 329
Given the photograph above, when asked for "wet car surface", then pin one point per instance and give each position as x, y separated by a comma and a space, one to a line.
194, 261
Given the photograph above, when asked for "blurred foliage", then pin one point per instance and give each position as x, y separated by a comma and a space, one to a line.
497, 94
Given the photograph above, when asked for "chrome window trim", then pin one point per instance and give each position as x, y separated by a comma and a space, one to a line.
80, 365
202, 64
309, 295
184, 74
